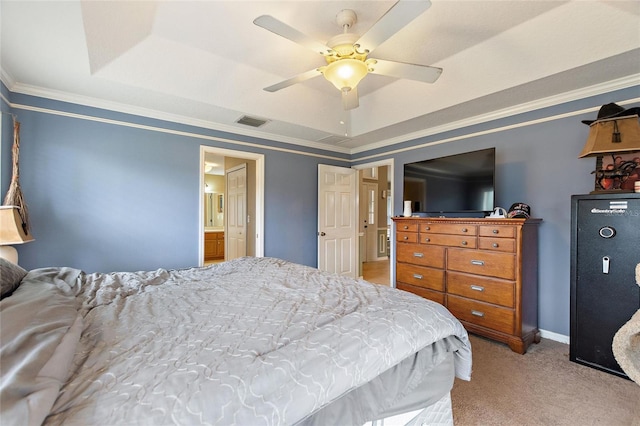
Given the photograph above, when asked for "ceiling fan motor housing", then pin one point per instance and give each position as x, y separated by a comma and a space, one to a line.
343, 46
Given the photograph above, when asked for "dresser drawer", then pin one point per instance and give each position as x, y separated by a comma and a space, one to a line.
421, 276
507, 245
490, 290
407, 227
407, 237
448, 240
501, 231
448, 228
436, 296
482, 314
482, 262
420, 254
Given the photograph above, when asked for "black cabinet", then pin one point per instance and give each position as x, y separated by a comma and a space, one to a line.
605, 249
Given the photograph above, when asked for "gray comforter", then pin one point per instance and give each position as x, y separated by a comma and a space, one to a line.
251, 341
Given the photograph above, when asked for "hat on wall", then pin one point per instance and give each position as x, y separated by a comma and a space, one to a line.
519, 210
611, 111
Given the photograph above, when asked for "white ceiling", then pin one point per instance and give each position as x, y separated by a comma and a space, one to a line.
206, 63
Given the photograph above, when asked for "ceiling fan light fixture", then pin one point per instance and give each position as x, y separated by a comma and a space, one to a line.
345, 74
346, 53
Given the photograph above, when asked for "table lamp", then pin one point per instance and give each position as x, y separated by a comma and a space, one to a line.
12, 232
613, 136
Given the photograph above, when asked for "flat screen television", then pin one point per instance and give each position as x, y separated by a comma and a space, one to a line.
456, 185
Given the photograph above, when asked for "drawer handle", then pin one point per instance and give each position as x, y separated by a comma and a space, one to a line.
495, 231
464, 243
477, 262
477, 313
427, 228
495, 245
417, 276
426, 240
464, 229
405, 238
406, 227
477, 288
418, 255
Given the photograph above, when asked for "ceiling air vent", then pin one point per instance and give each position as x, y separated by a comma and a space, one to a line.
251, 121
334, 140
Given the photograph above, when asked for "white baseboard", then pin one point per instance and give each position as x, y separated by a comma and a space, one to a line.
554, 336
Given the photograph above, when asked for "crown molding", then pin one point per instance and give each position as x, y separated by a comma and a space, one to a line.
617, 84
599, 89
7, 79
159, 115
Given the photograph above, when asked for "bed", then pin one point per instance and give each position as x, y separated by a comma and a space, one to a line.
252, 341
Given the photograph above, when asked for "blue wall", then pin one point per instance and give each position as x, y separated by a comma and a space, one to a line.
108, 196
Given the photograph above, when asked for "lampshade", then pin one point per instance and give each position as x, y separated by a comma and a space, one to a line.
345, 74
614, 135
11, 229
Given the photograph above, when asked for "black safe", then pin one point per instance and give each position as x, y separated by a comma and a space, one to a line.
605, 249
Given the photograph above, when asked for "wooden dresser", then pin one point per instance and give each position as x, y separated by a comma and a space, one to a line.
485, 271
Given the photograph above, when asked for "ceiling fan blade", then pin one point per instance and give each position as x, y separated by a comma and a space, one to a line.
280, 28
391, 22
350, 99
294, 80
422, 73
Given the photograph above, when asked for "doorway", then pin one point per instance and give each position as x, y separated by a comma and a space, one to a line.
369, 215
255, 196
375, 227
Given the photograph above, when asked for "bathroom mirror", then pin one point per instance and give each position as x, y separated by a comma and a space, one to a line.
213, 210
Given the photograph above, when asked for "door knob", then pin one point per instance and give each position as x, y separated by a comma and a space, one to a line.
322, 234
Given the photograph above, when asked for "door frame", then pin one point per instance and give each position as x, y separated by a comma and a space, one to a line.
389, 162
363, 201
259, 200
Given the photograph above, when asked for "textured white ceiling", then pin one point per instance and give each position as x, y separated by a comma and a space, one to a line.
205, 62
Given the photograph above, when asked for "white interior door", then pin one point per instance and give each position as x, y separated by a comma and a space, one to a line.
337, 220
236, 212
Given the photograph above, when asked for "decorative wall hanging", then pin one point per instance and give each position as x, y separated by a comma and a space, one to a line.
14, 196
14, 214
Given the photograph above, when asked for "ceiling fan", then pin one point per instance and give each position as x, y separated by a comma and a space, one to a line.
346, 53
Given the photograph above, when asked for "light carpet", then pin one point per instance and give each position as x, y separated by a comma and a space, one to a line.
541, 387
